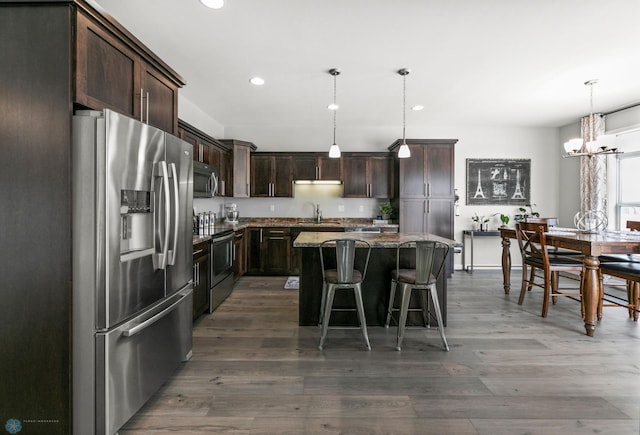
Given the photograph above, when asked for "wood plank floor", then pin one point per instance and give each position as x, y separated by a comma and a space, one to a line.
509, 371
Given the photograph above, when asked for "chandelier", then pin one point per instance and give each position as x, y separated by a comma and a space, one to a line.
591, 146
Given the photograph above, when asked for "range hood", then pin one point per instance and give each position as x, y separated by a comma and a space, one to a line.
317, 182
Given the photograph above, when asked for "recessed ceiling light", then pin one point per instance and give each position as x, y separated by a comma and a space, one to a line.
258, 81
333, 106
213, 4
417, 107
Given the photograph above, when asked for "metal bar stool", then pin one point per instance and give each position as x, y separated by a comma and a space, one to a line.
344, 276
429, 264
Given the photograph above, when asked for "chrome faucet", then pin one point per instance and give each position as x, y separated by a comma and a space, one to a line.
318, 214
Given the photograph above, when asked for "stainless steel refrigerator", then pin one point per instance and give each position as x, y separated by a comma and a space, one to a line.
132, 265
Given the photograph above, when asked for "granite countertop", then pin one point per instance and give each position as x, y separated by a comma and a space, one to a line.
297, 223
312, 239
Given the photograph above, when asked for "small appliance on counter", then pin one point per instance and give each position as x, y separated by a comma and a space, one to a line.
204, 223
231, 213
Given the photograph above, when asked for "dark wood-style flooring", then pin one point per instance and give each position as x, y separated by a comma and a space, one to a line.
509, 371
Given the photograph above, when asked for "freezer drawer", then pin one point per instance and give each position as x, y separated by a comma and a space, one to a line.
135, 359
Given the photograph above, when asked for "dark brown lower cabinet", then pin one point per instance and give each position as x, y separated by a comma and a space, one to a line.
200, 278
269, 251
239, 254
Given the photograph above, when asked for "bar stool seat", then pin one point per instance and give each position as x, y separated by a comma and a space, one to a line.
428, 267
343, 277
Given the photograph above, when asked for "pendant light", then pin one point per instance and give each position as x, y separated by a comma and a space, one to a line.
334, 151
403, 151
592, 145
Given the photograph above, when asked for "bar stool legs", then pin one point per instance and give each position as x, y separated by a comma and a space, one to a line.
326, 312
404, 310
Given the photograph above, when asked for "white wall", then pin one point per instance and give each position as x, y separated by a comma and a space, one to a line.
189, 112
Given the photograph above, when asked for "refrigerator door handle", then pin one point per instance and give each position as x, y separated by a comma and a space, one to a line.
160, 258
150, 321
171, 260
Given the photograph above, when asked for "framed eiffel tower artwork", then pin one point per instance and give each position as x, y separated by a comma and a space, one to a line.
498, 181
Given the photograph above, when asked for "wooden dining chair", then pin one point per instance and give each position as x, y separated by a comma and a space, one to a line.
552, 222
626, 267
538, 264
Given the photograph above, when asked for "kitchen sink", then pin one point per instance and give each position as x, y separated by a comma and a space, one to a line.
314, 222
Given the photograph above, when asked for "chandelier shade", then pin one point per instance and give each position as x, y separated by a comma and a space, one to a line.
591, 144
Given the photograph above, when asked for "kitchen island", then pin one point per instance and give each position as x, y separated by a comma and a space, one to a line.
375, 288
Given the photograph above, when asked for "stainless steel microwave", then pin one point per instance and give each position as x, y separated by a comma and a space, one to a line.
205, 180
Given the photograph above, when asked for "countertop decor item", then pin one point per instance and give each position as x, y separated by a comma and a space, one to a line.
386, 210
504, 218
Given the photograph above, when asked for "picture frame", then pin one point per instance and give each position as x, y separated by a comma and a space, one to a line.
498, 182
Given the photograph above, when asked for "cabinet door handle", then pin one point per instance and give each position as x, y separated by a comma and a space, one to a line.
276, 238
317, 173
141, 104
260, 235
427, 206
428, 189
276, 232
147, 107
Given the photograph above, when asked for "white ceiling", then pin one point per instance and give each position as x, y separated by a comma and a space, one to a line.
485, 63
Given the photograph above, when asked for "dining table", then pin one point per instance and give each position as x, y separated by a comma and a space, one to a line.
591, 246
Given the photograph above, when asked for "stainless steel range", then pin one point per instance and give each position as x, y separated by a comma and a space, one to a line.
221, 259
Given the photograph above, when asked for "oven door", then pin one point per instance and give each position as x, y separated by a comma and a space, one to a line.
221, 257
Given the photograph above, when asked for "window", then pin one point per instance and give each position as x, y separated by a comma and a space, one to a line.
628, 193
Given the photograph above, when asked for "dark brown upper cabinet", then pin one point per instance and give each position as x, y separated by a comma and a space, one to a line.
426, 187
114, 72
239, 184
271, 175
316, 166
368, 176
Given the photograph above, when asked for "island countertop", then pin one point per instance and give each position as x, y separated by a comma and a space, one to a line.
313, 239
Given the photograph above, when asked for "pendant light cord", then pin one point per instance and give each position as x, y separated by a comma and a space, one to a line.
404, 106
335, 110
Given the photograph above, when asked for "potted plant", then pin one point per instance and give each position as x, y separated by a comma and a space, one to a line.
504, 218
480, 221
523, 215
386, 210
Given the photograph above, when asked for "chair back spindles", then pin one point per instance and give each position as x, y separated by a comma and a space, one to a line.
345, 256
